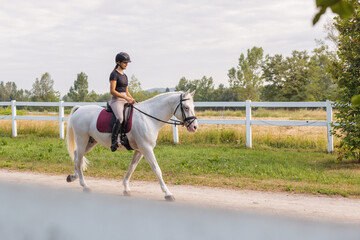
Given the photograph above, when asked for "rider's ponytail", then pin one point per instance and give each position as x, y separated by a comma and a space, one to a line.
116, 66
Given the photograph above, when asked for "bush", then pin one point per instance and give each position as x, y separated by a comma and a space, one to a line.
7, 111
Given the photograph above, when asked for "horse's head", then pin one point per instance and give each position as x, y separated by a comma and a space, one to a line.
186, 111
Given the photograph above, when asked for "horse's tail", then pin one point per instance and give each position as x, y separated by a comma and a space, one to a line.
70, 139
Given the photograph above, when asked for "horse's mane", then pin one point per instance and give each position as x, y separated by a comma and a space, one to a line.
159, 96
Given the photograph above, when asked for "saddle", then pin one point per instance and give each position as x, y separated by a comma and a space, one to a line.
106, 121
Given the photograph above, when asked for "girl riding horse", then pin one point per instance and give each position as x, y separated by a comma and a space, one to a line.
120, 94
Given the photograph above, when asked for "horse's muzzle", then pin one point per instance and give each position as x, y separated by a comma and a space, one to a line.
193, 127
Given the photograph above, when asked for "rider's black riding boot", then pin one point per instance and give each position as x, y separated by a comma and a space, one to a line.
114, 135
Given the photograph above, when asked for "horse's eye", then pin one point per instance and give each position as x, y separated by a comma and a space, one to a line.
186, 109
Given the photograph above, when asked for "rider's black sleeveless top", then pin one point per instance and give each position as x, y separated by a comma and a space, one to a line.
121, 80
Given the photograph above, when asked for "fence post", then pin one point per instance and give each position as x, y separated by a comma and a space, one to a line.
329, 128
176, 133
13, 118
61, 122
248, 124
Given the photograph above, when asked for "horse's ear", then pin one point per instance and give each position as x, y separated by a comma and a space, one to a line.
193, 93
187, 92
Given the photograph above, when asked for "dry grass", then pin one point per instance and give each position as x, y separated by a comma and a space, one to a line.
262, 136
31, 127
267, 114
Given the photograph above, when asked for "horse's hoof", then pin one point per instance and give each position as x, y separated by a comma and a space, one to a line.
127, 193
86, 189
70, 178
170, 198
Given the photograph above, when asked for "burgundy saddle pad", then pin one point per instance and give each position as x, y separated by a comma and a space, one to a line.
106, 121
103, 123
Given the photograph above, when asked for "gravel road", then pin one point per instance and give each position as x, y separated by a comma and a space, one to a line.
304, 206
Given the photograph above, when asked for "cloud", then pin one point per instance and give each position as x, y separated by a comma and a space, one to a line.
166, 39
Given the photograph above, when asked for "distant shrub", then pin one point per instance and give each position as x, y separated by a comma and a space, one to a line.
7, 111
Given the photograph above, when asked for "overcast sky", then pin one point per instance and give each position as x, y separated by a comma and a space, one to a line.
166, 39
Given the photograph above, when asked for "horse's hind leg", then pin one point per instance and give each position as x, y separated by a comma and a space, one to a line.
73, 177
81, 143
134, 162
91, 144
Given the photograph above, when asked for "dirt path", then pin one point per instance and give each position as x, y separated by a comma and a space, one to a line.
335, 209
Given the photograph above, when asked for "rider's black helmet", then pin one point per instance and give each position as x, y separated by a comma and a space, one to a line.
122, 57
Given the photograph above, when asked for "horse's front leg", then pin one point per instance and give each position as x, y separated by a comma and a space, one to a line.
134, 162
150, 157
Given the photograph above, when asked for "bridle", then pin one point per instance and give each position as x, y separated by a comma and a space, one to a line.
188, 120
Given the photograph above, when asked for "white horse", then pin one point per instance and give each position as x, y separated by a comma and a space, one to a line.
82, 134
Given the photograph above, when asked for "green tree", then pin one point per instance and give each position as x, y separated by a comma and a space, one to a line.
185, 84
104, 97
299, 77
8, 91
346, 70
79, 92
182, 85
204, 87
23, 95
287, 78
43, 90
92, 97
322, 84
135, 89
274, 75
344, 9
224, 94
246, 77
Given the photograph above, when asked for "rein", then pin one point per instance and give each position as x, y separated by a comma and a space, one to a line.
174, 121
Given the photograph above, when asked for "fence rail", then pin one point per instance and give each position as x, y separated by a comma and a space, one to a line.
248, 122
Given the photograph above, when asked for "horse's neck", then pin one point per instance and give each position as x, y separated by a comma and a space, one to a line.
161, 107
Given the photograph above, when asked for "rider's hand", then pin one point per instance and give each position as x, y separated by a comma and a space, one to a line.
131, 100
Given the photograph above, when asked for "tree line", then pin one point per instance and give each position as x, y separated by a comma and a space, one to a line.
302, 76
43, 91
298, 77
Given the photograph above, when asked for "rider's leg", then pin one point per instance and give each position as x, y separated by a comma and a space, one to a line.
115, 134
117, 105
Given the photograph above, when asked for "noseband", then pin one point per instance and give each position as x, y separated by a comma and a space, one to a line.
188, 120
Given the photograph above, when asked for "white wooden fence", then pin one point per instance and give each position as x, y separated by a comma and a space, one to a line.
247, 105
